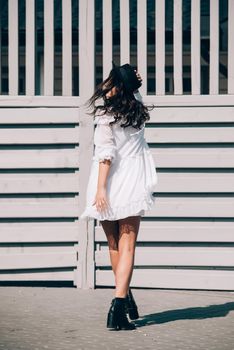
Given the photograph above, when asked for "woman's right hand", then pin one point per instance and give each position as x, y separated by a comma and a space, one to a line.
101, 199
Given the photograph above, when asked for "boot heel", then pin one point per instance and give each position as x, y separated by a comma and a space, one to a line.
113, 322
133, 314
131, 307
111, 319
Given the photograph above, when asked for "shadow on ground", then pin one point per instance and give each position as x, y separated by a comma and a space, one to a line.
186, 314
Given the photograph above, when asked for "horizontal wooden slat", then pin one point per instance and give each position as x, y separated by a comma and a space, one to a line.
193, 207
165, 114
175, 256
39, 158
194, 157
26, 261
39, 136
39, 183
38, 207
173, 278
189, 100
38, 276
34, 248
39, 232
39, 101
159, 101
189, 135
175, 231
41, 115
194, 182
191, 114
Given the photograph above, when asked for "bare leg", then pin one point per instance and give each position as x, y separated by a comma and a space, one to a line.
128, 231
111, 229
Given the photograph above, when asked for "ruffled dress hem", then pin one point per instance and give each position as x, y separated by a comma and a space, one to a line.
116, 213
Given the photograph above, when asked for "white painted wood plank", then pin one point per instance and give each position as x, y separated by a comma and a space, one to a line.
212, 207
124, 32
195, 182
39, 101
66, 48
13, 50
39, 158
189, 134
39, 182
171, 278
142, 43
21, 232
39, 136
42, 115
160, 47
35, 248
164, 158
69, 182
40, 260
177, 48
65, 207
0, 56
159, 115
175, 256
85, 265
86, 52
230, 47
195, 47
30, 47
160, 100
179, 231
214, 47
192, 115
48, 48
38, 276
189, 100
194, 157
107, 37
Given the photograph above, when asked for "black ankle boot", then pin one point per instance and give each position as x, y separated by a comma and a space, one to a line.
117, 318
130, 306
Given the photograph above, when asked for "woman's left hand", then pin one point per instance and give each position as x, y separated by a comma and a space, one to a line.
138, 75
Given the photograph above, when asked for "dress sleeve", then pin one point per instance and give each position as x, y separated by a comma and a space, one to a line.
105, 147
138, 96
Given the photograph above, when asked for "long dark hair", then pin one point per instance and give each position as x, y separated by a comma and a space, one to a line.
122, 105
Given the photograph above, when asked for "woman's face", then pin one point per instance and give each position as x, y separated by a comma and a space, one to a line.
112, 92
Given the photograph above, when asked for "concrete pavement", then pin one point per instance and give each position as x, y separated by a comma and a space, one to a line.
35, 318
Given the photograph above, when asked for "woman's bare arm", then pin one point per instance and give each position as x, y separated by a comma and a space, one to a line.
104, 168
101, 197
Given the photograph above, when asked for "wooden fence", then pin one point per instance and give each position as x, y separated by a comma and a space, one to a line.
46, 145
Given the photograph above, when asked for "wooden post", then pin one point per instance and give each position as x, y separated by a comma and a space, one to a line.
30, 47
48, 47
67, 48
13, 41
86, 88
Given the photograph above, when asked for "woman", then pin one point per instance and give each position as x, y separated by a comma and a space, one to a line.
122, 180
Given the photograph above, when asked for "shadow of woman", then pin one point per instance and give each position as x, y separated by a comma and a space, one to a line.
186, 314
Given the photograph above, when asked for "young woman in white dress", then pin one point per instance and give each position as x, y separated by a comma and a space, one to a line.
122, 180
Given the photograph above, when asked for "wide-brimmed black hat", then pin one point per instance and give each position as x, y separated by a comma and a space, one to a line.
127, 74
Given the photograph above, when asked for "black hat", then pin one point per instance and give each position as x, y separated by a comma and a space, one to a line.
127, 74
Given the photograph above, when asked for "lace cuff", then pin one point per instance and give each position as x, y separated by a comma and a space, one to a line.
138, 96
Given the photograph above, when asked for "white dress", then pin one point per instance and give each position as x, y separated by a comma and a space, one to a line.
132, 175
